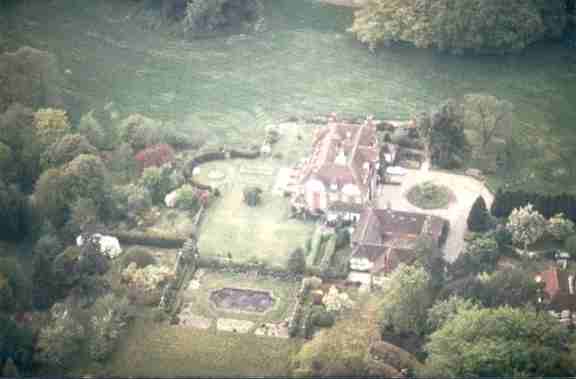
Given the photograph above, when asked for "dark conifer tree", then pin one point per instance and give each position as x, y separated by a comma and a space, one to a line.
479, 219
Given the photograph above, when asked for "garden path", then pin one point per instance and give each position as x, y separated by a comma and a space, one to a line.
465, 188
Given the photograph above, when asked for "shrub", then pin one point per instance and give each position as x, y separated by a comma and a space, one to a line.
66, 149
155, 156
109, 317
60, 341
157, 181
187, 198
139, 256
429, 196
560, 227
296, 262
99, 136
139, 131
322, 318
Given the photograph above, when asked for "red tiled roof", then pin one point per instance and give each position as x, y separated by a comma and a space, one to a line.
356, 142
550, 280
557, 289
385, 237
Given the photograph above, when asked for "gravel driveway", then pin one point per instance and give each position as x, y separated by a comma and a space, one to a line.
466, 190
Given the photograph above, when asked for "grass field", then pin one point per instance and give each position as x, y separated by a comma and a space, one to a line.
282, 291
158, 350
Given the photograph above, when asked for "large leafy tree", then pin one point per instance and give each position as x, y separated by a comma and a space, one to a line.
456, 26
341, 350
501, 342
442, 132
487, 115
406, 299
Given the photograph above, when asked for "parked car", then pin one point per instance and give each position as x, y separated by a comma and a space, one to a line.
396, 170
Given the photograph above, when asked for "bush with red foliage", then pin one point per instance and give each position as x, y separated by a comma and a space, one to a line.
155, 156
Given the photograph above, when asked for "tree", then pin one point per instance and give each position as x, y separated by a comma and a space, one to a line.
478, 218
10, 370
468, 25
99, 136
442, 132
526, 225
296, 262
61, 339
480, 255
15, 287
406, 301
83, 215
501, 342
66, 149
512, 287
17, 131
14, 220
560, 227
50, 196
487, 114
445, 310
341, 350
430, 257
51, 125
16, 342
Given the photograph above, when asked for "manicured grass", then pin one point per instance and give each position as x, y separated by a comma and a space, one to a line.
429, 196
263, 232
283, 292
159, 350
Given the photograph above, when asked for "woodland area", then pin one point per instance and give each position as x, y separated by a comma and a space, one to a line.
67, 171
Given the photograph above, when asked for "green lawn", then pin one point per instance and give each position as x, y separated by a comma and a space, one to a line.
283, 292
263, 232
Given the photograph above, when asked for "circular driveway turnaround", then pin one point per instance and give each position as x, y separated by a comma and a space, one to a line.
466, 189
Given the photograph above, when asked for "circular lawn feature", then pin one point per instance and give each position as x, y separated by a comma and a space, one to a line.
242, 300
428, 195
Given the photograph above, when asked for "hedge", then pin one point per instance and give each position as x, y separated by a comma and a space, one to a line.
261, 268
148, 239
548, 205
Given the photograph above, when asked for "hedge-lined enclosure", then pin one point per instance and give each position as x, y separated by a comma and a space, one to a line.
547, 205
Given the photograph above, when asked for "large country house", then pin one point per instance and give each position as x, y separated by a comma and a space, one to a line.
340, 176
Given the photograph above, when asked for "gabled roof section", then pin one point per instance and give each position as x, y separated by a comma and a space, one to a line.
358, 145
